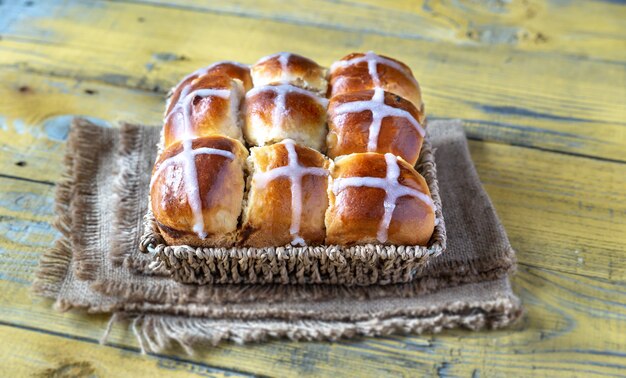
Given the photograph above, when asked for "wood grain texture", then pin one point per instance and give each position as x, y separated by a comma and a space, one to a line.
561, 212
573, 324
523, 24
80, 357
553, 100
36, 111
541, 86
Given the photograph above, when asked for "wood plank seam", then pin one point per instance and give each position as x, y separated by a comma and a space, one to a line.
125, 348
280, 20
538, 148
160, 89
43, 182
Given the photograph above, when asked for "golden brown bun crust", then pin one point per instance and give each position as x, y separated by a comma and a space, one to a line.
300, 71
349, 133
356, 77
212, 115
304, 120
221, 184
267, 217
354, 215
232, 70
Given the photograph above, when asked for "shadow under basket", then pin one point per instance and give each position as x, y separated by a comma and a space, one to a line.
369, 264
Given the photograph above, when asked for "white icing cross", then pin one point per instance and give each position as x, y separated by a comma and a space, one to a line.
373, 60
187, 157
393, 190
379, 111
280, 101
283, 59
376, 105
294, 172
186, 102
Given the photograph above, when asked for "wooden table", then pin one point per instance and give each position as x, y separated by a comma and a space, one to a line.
541, 86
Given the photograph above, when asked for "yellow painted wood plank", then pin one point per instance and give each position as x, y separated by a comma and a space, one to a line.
26, 231
573, 325
36, 111
28, 353
561, 212
542, 99
527, 25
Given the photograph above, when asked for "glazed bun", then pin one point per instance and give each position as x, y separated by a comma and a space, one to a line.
207, 191
374, 121
358, 71
286, 196
276, 112
376, 198
286, 68
234, 70
208, 105
197, 190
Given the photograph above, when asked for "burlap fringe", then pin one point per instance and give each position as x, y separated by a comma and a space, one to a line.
158, 333
361, 265
55, 262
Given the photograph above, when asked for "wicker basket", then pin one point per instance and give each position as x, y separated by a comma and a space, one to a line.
326, 264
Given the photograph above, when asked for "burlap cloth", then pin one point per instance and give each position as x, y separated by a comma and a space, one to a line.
96, 265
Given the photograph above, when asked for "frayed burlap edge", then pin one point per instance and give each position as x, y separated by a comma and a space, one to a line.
171, 329
55, 262
358, 265
74, 194
157, 333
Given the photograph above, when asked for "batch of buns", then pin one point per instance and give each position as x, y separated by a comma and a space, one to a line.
330, 161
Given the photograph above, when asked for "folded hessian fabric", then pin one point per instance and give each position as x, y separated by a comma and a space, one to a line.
96, 265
